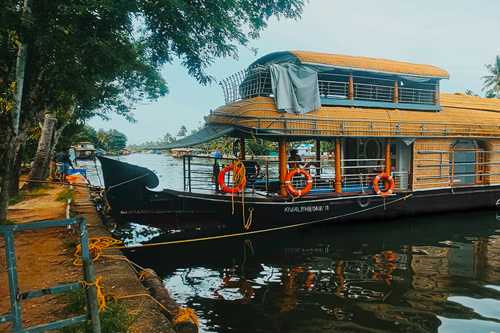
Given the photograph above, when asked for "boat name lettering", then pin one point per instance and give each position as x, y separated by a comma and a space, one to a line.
306, 209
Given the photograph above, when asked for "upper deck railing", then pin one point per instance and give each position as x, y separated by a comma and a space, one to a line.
256, 81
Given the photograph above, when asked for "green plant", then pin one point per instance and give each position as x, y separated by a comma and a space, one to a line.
71, 243
65, 195
114, 318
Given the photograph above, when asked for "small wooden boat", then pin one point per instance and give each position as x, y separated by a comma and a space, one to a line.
400, 147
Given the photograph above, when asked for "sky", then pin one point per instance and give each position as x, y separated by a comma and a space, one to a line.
459, 36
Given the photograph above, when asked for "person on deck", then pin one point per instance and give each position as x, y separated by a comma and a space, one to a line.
294, 159
64, 162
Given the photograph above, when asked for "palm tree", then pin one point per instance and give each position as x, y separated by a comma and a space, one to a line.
492, 82
182, 131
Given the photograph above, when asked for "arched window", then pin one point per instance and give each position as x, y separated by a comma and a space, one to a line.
467, 162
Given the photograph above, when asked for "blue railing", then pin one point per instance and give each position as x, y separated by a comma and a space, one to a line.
16, 297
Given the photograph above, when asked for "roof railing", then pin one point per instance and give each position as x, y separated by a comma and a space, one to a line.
256, 81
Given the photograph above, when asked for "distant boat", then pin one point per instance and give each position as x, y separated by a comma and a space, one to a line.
179, 152
83, 150
401, 149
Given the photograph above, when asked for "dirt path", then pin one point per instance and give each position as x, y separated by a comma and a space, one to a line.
44, 262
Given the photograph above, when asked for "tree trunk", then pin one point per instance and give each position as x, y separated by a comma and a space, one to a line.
41, 162
16, 170
6, 174
160, 293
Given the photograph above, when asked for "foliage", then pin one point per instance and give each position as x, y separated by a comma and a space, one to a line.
114, 318
182, 131
492, 82
199, 31
111, 140
65, 194
471, 93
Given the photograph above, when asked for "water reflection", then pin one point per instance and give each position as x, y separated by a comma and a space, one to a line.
419, 275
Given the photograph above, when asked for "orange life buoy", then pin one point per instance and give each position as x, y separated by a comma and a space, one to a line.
389, 178
223, 186
288, 181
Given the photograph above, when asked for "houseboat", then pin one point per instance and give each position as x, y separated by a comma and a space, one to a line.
180, 152
400, 149
83, 150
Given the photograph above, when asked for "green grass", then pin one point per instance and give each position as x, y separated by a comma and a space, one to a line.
114, 318
70, 244
65, 195
36, 192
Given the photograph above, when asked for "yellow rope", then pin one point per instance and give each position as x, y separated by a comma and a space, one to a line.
100, 297
259, 231
182, 315
239, 179
96, 245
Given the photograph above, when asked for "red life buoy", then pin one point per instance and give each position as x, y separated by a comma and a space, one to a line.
389, 178
223, 186
288, 181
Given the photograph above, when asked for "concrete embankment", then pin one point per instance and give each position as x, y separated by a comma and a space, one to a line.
118, 276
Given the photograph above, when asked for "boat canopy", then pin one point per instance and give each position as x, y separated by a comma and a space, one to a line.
209, 133
321, 62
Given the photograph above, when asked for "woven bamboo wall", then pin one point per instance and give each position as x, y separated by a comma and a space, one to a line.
462, 116
492, 170
427, 155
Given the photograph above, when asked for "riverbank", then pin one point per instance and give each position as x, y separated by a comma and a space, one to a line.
45, 259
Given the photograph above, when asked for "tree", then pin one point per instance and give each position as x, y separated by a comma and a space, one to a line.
492, 82
93, 52
182, 131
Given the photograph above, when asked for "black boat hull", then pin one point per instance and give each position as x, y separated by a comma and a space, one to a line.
132, 201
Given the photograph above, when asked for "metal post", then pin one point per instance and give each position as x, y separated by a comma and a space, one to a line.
15, 303
189, 172
318, 156
242, 149
89, 275
184, 170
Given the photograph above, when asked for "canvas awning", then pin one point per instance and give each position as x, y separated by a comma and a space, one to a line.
209, 133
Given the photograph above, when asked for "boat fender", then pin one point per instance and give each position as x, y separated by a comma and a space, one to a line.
226, 188
288, 181
384, 192
363, 201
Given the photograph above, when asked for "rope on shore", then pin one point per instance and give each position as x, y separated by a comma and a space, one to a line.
96, 245
258, 231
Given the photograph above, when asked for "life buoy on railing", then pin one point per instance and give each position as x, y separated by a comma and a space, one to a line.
288, 181
389, 178
226, 188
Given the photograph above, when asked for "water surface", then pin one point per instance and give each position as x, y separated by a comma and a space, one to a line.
432, 274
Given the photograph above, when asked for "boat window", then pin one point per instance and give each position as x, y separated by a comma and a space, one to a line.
467, 162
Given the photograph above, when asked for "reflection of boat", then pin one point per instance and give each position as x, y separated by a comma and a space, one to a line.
400, 149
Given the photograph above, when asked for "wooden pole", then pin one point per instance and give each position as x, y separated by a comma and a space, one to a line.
388, 156
242, 149
282, 165
338, 174
351, 88
436, 94
396, 92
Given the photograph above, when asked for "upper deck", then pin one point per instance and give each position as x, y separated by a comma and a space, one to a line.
339, 80
350, 96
